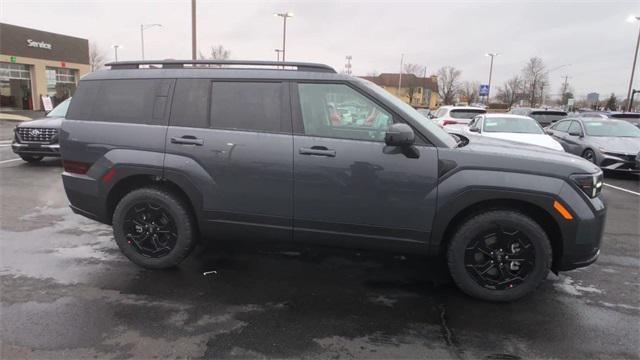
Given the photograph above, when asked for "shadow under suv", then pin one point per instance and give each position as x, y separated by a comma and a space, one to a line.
188, 150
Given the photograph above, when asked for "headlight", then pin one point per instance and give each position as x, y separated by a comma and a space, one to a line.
590, 184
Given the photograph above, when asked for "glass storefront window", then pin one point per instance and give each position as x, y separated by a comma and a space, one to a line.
61, 84
15, 87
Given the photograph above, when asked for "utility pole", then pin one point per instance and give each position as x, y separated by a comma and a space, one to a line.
278, 51
284, 17
564, 87
633, 67
400, 76
193, 30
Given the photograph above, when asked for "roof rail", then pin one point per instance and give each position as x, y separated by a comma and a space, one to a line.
172, 64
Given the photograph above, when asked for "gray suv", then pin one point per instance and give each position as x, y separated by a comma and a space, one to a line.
174, 152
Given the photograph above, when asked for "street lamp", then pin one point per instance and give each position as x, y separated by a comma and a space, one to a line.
144, 27
115, 48
490, 72
633, 18
284, 17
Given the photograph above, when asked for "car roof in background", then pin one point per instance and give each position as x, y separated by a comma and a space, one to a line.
508, 116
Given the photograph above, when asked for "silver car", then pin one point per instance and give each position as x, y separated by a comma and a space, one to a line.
610, 144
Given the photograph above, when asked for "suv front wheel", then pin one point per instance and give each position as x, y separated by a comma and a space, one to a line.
500, 255
153, 228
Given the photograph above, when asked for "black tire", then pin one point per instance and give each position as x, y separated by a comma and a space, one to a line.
172, 209
31, 158
589, 155
474, 238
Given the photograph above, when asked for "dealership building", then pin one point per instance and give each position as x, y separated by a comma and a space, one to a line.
36, 63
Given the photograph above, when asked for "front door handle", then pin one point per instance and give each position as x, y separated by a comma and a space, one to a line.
187, 140
318, 150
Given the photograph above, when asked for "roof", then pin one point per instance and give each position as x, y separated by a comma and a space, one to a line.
503, 115
392, 79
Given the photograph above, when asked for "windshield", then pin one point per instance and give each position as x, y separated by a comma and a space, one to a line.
548, 117
512, 125
466, 113
60, 110
611, 128
430, 126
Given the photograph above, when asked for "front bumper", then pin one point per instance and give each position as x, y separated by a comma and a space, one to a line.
620, 162
35, 149
583, 234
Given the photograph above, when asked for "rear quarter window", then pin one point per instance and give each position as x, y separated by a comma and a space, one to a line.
140, 101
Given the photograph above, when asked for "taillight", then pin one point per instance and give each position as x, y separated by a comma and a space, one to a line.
76, 167
449, 122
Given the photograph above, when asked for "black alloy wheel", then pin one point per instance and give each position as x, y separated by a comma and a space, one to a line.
500, 258
150, 229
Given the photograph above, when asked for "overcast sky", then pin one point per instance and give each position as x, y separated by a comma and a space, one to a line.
592, 36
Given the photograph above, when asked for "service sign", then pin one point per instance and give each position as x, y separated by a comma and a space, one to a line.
39, 44
46, 103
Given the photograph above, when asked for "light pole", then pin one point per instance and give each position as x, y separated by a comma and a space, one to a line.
284, 17
633, 18
490, 72
278, 51
144, 27
193, 30
115, 49
400, 75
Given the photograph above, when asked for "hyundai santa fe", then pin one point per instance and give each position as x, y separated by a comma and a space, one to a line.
174, 152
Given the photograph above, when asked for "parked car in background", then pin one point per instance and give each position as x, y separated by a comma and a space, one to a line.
610, 144
456, 115
425, 112
36, 139
517, 128
544, 117
632, 117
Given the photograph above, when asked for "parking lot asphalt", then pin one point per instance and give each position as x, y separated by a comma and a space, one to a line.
67, 292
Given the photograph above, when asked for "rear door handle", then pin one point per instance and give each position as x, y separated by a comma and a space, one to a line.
187, 140
318, 151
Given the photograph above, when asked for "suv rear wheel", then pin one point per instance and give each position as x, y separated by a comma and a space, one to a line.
500, 255
153, 228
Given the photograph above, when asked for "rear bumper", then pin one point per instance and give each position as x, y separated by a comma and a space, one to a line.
84, 196
36, 149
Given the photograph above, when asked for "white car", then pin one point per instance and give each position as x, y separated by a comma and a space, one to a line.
512, 127
456, 115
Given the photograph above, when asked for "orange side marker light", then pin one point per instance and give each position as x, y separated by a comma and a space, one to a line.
562, 210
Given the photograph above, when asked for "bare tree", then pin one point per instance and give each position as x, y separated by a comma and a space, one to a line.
448, 83
414, 79
511, 91
470, 91
97, 57
216, 53
535, 75
373, 73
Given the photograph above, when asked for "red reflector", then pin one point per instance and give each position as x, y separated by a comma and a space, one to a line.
449, 122
76, 167
108, 175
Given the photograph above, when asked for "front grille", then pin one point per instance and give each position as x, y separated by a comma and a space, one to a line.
39, 135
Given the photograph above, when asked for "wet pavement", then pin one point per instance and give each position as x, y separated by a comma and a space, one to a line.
67, 292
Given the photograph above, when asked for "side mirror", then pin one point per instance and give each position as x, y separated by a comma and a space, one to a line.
575, 133
474, 129
399, 135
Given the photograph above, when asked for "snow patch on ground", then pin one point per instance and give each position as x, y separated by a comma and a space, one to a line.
567, 285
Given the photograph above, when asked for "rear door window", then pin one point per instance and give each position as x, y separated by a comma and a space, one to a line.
466, 113
140, 101
191, 103
254, 106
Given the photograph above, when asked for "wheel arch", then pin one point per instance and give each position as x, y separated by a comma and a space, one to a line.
442, 235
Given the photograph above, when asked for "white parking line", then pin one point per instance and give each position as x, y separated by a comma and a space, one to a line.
7, 161
623, 189
3, 145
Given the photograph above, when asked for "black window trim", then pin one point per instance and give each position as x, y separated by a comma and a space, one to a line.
298, 122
